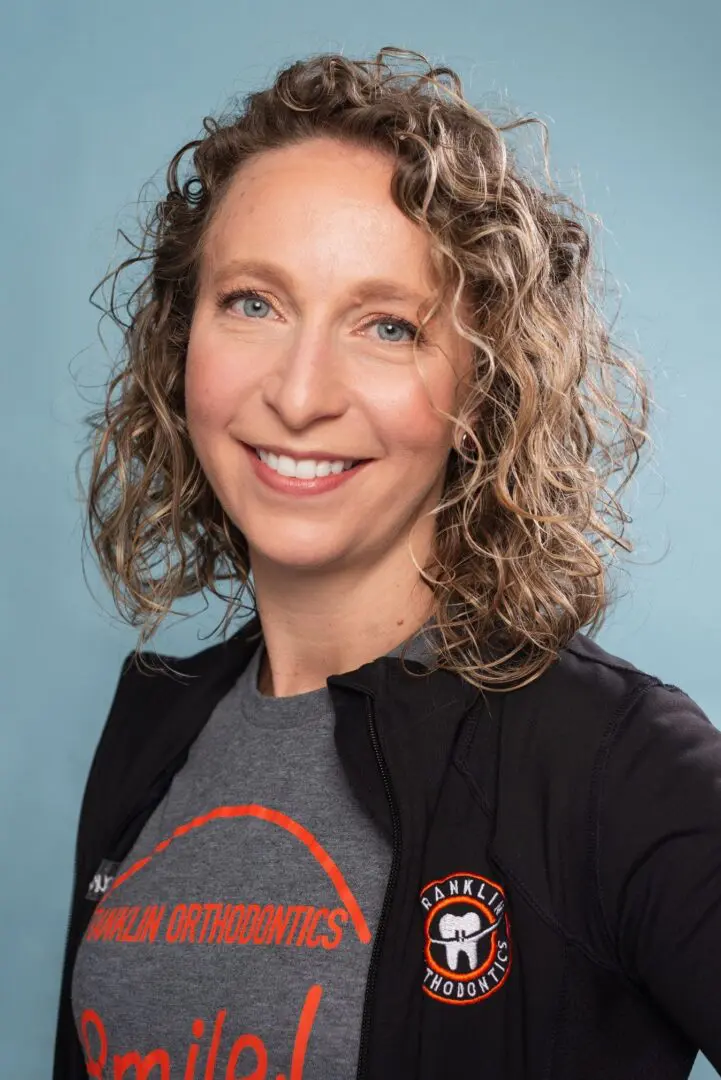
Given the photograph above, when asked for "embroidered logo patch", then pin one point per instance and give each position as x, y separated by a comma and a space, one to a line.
467, 950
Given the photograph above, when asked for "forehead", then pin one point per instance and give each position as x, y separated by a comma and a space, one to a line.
319, 207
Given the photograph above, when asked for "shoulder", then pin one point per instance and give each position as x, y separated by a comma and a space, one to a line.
599, 761
637, 707
596, 729
156, 692
586, 669
590, 695
559, 720
159, 705
163, 675
642, 727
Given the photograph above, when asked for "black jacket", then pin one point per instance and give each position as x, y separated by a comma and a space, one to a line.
578, 817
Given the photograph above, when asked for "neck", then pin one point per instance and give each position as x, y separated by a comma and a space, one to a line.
316, 628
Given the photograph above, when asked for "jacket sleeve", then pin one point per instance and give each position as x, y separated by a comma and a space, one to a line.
659, 857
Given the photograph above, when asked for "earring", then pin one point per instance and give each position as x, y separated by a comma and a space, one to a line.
466, 443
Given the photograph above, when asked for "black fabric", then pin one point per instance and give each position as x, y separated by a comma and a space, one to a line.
584, 807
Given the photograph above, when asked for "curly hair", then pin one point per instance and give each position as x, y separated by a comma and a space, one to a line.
528, 525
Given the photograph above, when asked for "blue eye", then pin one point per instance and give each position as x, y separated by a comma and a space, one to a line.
397, 327
255, 306
251, 303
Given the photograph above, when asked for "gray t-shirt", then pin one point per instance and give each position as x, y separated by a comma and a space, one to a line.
237, 937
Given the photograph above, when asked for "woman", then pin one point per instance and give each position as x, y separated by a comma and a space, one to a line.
407, 821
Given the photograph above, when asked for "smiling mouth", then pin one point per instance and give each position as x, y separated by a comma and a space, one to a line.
305, 468
307, 455
306, 474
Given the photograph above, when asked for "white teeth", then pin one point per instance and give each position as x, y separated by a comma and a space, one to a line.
285, 466
307, 469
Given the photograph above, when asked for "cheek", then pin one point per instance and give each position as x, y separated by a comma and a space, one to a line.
410, 423
211, 386
413, 417
202, 400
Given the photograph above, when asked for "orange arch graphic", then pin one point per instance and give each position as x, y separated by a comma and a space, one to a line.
274, 817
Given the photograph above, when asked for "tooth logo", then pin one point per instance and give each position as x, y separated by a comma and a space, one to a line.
468, 952
461, 934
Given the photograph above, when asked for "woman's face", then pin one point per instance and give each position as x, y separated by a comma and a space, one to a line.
321, 361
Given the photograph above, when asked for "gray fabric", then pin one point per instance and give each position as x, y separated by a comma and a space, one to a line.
178, 991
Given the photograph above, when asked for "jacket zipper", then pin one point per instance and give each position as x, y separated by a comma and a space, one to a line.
390, 888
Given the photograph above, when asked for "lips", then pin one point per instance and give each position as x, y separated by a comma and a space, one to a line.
304, 468
297, 486
304, 455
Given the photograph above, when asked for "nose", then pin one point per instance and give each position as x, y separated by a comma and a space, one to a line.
307, 382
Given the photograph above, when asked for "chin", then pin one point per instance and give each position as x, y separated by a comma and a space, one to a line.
299, 555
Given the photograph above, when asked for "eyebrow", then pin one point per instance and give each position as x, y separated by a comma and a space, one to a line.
370, 289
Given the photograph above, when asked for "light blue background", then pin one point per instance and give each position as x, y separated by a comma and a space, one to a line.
95, 98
